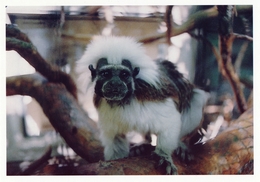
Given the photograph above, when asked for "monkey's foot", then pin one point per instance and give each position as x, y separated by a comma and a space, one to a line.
165, 163
184, 153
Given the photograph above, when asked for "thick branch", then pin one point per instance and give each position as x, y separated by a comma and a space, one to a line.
19, 42
66, 116
226, 38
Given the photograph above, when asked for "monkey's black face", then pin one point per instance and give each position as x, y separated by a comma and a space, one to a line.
114, 82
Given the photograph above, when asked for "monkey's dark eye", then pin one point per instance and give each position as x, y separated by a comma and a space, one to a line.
124, 74
105, 74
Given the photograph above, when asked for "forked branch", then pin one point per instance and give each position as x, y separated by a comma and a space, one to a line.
19, 42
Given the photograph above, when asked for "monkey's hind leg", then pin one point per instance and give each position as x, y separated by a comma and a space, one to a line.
115, 148
167, 142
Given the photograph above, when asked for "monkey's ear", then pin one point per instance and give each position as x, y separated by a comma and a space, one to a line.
93, 72
136, 71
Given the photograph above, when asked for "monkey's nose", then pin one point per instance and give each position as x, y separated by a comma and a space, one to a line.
116, 86
115, 90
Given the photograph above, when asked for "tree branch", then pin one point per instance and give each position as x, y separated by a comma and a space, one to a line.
226, 39
193, 22
244, 37
168, 20
66, 116
34, 165
19, 42
240, 56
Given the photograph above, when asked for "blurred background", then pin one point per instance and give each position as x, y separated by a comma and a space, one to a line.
61, 34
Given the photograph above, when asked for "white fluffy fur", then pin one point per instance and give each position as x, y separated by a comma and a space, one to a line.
115, 49
191, 117
160, 118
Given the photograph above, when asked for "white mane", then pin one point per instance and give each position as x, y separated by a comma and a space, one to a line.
115, 49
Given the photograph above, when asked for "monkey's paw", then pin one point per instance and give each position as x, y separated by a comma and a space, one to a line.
164, 162
184, 153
